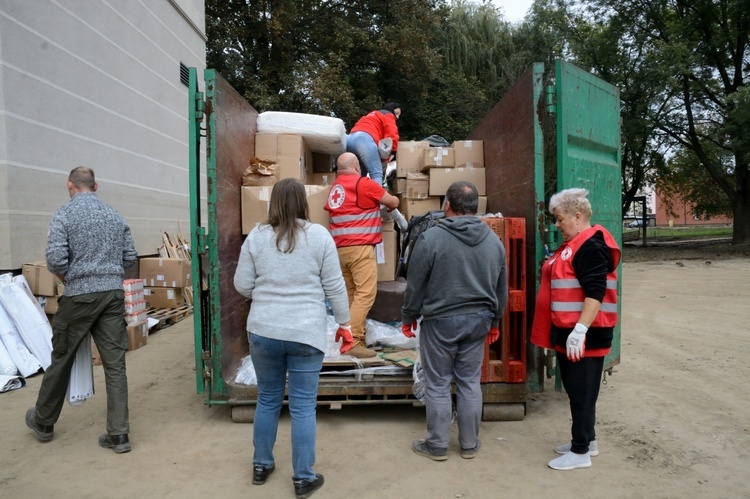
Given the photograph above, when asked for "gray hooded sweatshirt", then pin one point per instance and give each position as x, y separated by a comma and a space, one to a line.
457, 267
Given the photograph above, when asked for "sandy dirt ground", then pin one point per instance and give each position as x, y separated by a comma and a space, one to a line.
673, 419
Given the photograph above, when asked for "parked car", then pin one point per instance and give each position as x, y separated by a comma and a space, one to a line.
636, 223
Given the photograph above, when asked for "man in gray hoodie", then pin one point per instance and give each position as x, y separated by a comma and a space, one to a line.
458, 282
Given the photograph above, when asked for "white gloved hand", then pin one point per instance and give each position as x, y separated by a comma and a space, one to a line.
576, 342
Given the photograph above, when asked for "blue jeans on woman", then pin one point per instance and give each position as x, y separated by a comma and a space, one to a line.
364, 147
271, 360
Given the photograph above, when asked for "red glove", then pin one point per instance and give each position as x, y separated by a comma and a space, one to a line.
492, 336
344, 333
408, 329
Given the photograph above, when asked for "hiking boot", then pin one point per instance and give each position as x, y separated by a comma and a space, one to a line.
470, 453
565, 448
305, 488
361, 352
43, 433
261, 473
571, 461
118, 443
423, 449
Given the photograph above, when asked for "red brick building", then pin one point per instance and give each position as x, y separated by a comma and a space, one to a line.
680, 213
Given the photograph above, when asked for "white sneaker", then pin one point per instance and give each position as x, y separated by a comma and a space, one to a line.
571, 461
565, 448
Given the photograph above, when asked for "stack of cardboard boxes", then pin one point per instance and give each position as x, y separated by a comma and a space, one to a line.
293, 159
135, 313
164, 281
43, 284
424, 173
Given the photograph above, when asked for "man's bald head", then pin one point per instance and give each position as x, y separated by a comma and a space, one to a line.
347, 163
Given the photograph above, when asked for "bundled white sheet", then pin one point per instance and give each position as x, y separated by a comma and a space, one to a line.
29, 318
8, 383
24, 360
322, 134
81, 385
7, 366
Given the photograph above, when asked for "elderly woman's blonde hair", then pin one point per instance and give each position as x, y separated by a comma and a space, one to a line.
571, 201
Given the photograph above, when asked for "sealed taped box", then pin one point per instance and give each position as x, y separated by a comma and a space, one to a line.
165, 272
442, 178
417, 207
164, 297
469, 153
417, 186
137, 335
439, 157
317, 198
385, 253
410, 157
41, 281
254, 202
288, 151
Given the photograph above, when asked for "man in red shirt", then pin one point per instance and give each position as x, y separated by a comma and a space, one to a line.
354, 209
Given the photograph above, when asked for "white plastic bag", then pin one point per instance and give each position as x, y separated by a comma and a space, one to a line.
81, 384
29, 318
7, 366
246, 372
418, 388
24, 360
385, 334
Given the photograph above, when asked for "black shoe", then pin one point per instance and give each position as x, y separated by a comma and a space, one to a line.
261, 473
118, 443
305, 488
43, 433
421, 448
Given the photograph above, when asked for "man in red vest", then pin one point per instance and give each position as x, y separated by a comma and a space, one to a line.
354, 209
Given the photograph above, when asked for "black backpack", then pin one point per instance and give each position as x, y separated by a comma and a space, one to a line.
417, 225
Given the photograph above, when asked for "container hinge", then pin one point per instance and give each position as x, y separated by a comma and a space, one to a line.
199, 106
206, 358
549, 99
201, 237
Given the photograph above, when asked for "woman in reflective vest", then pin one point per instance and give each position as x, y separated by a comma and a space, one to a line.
575, 315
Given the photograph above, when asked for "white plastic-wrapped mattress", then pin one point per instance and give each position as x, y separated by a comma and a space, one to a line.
322, 134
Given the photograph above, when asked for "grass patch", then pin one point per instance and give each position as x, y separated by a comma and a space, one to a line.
689, 232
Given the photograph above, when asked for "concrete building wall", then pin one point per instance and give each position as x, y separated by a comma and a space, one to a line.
95, 83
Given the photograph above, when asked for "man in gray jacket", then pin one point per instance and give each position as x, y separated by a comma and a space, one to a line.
458, 282
88, 247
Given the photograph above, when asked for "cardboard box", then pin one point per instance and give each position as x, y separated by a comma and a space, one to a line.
255, 200
399, 186
317, 197
165, 272
416, 207
442, 178
482, 208
50, 305
468, 153
417, 186
321, 178
410, 157
41, 281
385, 253
163, 297
438, 157
288, 151
137, 335
254, 205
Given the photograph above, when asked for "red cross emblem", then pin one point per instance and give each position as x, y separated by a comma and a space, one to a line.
336, 196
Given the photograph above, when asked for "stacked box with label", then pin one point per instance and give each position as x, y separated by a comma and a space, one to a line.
135, 313
505, 360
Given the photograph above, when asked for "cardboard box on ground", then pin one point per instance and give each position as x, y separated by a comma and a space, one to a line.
41, 281
137, 338
165, 272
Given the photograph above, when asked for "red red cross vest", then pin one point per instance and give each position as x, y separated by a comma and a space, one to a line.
560, 297
354, 219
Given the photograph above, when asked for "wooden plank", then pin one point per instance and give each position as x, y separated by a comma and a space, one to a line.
168, 316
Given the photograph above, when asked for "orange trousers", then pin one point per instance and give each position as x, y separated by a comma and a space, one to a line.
360, 269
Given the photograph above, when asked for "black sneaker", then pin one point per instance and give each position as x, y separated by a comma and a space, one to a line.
43, 433
305, 488
118, 443
261, 473
421, 448
470, 453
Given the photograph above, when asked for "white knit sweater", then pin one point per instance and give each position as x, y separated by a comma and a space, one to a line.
288, 290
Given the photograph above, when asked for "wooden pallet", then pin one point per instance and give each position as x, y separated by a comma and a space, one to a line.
168, 316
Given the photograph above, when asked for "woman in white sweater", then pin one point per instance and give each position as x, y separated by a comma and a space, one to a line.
288, 267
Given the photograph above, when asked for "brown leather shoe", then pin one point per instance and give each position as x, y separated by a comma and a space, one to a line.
361, 352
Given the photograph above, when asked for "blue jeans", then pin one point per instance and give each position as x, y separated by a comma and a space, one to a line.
452, 350
272, 359
366, 150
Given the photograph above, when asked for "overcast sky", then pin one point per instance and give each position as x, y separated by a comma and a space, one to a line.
514, 10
